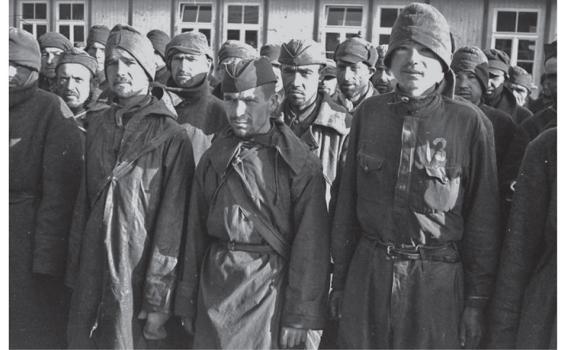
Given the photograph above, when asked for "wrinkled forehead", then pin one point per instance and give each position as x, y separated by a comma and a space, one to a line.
73, 69
246, 94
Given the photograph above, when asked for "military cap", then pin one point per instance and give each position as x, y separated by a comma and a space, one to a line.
97, 34
271, 52
159, 39
247, 74
129, 39
193, 43
53, 39
298, 52
238, 49
329, 70
24, 49
354, 50
79, 56
497, 60
519, 76
466, 59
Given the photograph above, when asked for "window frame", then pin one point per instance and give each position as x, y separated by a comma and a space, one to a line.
196, 26
342, 31
72, 22
516, 36
242, 27
34, 22
377, 28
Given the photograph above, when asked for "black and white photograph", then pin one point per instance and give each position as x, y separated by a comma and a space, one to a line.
282, 174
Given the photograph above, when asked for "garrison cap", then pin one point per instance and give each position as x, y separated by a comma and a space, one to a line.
354, 50
298, 52
271, 52
247, 74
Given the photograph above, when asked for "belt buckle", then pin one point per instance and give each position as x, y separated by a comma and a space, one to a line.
231, 245
388, 252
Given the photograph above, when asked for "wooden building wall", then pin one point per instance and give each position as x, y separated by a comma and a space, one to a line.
290, 19
152, 14
109, 12
466, 20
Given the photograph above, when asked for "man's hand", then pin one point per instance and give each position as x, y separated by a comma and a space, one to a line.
336, 297
291, 337
188, 325
471, 329
154, 326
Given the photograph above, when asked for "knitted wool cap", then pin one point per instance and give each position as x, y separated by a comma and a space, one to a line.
271, 52
238, 49
79, 56
519, 76
425, 25
24, 49
159, 39
193, 43
97, 34
129, 39
467, 58
52, 39
302, 52
247, 74
497, 59
354, 50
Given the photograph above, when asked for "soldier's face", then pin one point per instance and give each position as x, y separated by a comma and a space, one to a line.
300, 83
96, 50
353, 78
328, 85
189, 70
73, 84
249, 111
496, 79
50, 57
468, 87
383, 80
416, 68
125, 75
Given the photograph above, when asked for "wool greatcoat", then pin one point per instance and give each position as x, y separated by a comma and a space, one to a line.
45, 166
414, 237
524, 306
239, 287
129, 222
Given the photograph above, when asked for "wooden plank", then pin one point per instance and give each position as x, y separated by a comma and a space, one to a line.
109, 12
290, 19
465, 18
151, 14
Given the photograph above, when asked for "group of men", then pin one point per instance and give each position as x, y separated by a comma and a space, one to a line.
390, 197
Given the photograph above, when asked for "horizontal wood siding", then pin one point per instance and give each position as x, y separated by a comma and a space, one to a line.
109, 12
290, 19
152, 14
465, 18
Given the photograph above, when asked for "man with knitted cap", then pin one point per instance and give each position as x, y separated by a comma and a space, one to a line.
328, 82
45, 166
414, 236
314, 117
95, 45
77, 84
257, 212
471, 68
382, 80
129, 218
498, 95
159, 39
189, 58
52, 46
230, 52
355, 64
546, 117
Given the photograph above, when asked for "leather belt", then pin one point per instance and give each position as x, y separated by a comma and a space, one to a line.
444, 253
246, 247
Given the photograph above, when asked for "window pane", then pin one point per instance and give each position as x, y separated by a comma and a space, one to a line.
64, 30
78, 34
205, 14
384, 39
332, 41
28, 28
354, 17
64, 11
506, 21
235, 14
251, 14
528, 66
40, 11
527, 22
41, 29
27, 11
504, 45
251, 38
388, 17
233, 34
190, 14
184, 30
526, 50
206, 33
335, 16
78, 11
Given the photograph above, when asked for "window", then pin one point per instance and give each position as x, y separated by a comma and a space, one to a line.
386, 17
70, 20
33, 17
341, 22
516, 33
196, 17
243, 23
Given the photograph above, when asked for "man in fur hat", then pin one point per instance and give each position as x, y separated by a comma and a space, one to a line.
414, 237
